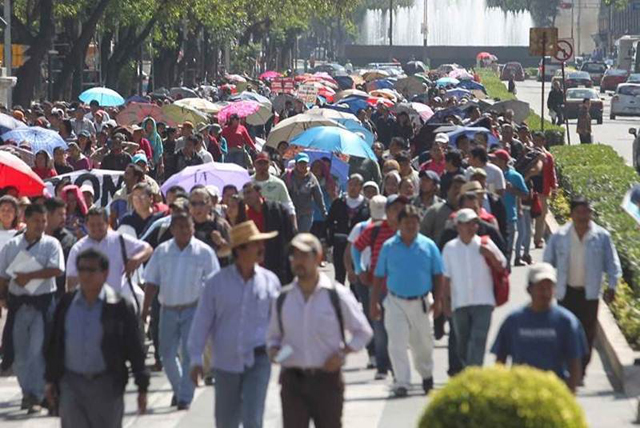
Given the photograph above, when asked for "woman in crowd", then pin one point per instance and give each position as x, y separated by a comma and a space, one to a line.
43, 167
9, 219
391, 183
236, 212
76, 209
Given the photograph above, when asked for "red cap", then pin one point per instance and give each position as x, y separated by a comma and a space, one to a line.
502, 154
262, 156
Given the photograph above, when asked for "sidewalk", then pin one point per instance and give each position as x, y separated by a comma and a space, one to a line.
367, 402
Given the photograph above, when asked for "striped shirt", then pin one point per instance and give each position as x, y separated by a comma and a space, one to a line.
364, 241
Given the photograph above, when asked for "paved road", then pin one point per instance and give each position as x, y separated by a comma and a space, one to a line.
367, 402
612, 132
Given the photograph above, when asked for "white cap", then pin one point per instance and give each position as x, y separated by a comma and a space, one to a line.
213, 191
465, 215
442, 138
87, 188
377, 207
540, 272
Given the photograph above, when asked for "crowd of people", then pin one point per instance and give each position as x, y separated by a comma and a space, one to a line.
225, 282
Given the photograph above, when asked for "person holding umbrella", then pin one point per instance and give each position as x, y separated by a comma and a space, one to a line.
304, 189
238, 139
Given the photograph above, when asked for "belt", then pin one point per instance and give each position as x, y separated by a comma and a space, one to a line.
88, 376
181, 307
408, 298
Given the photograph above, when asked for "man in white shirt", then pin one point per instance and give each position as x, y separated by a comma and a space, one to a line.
271, 187
469, 286
179, 269
495, 177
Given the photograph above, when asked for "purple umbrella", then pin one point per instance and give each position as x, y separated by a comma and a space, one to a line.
217, 174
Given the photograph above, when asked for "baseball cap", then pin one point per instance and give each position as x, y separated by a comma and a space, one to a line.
465, 215
396, 198
502, 154
371, 184
540, 272
84, 133
431, 175
213, 190
472, 186
262, 156
135, 128
87, 188
476, 171
302, 157
356, 176
442, 138
140, 157
377, 206
307, 243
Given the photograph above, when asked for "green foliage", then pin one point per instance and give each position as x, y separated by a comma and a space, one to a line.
497, 90
518, 397
598, 173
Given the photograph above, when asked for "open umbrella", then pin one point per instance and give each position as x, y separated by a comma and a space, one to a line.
374, 74
374, 101
461, 74
380, 84
472, 85
8, 123
410, 86
351, 104
289, 128
255, 112
470, 132
15, 173
104, 96
199, 104
483, 55
183, 92
251, 96
280, 100
136, 112
356, 127
268, 75
334, 139
179, 114
416, 111
235, 78
446, 81
457, 93
520, 108
331, 113
350, 93
211, 173
37, 137
413, 67
386, 93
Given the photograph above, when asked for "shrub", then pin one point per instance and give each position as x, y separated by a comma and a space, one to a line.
518, 397
598, 173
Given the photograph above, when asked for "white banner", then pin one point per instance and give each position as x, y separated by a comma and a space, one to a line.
105, 182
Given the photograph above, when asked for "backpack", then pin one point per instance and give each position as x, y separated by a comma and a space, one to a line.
500, 279
333, 297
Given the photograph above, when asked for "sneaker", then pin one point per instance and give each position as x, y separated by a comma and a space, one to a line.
34, 409
400, 392
380, 376
518, 262
527, 259
372, 363
174, 400
427, 385
183, 406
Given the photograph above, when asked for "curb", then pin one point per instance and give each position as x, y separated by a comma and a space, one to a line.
610, 340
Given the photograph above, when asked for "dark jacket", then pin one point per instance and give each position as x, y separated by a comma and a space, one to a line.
556, 98
341, 219
276, 256
499, 212
122, 341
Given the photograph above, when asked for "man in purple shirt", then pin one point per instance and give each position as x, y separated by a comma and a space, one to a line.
234, 312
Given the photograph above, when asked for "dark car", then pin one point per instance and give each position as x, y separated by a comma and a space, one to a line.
612, 78
595, 69
576, 79
576, 96
514, 68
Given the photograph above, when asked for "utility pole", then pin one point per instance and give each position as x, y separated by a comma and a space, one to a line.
7, 49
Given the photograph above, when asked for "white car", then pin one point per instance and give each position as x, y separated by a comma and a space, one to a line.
626, 101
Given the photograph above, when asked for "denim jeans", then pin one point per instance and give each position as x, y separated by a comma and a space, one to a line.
237, 156
240, 397
472, 327
363, 294
511, 235
381, 340
455, 365
304, 222
174, 333
28, 340
523, 242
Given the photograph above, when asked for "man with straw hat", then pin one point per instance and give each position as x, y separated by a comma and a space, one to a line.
234, 310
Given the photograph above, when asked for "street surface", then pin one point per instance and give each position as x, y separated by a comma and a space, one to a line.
367, 403
614, 133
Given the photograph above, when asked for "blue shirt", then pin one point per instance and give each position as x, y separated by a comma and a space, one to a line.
83, 335
235, 314
545, 340
409, 269
510, 200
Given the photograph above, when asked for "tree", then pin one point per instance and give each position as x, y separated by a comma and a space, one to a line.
543, 12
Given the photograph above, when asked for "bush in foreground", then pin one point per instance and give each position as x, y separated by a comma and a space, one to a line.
519, 397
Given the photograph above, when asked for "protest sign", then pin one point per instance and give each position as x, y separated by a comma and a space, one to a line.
105, 182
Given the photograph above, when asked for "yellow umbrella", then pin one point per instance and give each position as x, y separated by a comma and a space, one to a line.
374, 75
291, 127
180, 114
385, 93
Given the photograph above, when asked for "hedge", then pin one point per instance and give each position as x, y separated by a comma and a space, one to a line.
497, 90
501, 397
598, 173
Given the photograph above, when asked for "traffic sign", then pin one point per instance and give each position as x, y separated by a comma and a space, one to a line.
564, 51
543, 41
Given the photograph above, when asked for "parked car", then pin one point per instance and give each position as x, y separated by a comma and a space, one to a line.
576, 79
514, 68
575, 98
626, 101
551, 65
612, 78
595, 69
633, 78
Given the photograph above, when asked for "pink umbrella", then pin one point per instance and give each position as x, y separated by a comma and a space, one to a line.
135, 113
325, 76
461, 74
241, 108
268, 75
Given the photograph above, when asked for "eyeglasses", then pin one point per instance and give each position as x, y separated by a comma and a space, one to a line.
88, 269
197, 203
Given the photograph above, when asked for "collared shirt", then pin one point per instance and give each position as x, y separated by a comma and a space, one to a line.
234, 313
469, 273
83, 335
181, 274
311, 327
110, 247
83, 124
599, 251
409, 268
577, 259
47, 251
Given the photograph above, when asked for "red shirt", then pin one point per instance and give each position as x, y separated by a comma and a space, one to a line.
257, 217
44, 173
145, 146
431, 165
364, 241
549, 180
237, 137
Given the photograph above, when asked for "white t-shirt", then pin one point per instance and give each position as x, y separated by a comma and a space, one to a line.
495, 178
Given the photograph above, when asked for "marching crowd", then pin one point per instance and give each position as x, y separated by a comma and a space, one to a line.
227, 281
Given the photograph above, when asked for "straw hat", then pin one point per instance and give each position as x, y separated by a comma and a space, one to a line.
246, 232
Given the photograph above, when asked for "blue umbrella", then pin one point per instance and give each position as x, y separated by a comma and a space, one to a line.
344, 82
339, 168
381, 84
8, 123
472, 85
350, 104
334, 139
355, 126
457, 93
37, 137
104, 96
445, 81
471, 132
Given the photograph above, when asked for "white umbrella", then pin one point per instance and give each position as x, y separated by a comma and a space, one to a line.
350, 93
291, 127
200, 104
328, 113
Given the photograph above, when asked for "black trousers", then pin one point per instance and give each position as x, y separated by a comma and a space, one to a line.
585, 139
339, 246
587, 312
318, 396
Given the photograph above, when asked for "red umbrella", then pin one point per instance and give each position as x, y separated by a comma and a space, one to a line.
268, 75
15, 173
483, 55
